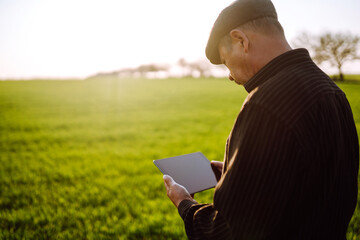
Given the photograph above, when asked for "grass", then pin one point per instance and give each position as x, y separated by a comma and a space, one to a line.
76, 156
352, 77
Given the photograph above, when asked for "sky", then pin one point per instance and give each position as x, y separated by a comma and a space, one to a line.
79, 38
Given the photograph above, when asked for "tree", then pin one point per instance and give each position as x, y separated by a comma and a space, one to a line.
143, 70
200, 68
334, 48
183, 65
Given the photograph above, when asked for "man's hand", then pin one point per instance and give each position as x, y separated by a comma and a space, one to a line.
217, 168
175, 191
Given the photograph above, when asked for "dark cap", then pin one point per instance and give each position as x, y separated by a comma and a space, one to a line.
238, 13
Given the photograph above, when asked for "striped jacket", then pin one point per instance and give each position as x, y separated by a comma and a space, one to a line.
291, 160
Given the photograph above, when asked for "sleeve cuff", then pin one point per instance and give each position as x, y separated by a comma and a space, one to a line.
184, 207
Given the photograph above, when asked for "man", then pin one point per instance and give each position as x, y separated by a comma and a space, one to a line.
291, 161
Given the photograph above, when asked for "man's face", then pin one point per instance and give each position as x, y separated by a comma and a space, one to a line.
235, 60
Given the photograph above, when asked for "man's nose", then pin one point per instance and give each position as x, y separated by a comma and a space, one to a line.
231, 78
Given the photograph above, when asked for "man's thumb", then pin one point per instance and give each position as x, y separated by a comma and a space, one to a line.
168, 180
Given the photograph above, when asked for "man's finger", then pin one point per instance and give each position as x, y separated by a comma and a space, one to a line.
217, 169
168, 180
217, 164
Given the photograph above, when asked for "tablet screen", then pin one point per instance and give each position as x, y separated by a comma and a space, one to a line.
193, 171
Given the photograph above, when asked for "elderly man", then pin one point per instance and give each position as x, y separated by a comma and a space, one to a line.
291, 161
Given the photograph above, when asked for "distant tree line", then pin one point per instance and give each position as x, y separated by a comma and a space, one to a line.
200, 68
183, 68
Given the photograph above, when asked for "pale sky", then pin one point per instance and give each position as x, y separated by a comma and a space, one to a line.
78, 38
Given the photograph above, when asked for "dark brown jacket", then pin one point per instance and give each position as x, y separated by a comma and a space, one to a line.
291, 161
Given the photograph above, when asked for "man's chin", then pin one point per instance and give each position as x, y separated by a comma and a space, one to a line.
239, 82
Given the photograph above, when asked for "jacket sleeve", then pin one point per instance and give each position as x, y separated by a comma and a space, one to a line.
202, 221
256, 191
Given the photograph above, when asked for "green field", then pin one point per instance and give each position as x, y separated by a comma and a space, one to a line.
76, 156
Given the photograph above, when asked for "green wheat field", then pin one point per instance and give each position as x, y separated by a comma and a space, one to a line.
76, 157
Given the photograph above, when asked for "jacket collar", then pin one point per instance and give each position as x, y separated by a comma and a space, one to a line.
276, 65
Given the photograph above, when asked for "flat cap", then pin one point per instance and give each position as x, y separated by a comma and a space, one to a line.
236, 14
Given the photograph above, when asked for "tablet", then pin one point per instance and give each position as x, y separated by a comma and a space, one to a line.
193, 171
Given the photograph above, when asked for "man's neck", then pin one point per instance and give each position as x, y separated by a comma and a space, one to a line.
268, 48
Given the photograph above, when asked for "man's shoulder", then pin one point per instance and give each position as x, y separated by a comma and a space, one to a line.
292, 92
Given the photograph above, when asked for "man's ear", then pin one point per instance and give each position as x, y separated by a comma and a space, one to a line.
239, 37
